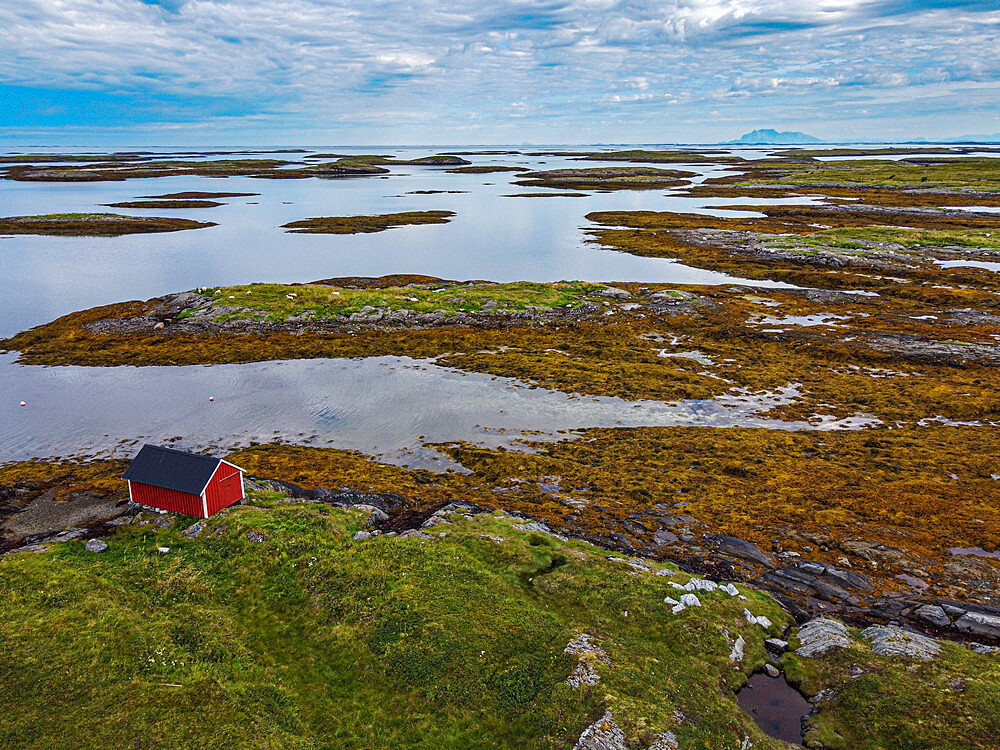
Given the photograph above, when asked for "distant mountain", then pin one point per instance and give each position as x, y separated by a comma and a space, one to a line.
771, 137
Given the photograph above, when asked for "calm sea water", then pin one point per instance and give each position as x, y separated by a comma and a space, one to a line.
491, 237
385, 406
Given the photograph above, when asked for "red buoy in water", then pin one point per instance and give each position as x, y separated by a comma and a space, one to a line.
23, 403
211, 398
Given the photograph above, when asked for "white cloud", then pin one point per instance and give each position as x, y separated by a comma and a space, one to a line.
572, 63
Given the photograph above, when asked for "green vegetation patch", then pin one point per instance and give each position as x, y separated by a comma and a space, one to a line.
958, 174
665, 157
952, 701
279, 302
607, 178
864, 237
366, 224
310, 640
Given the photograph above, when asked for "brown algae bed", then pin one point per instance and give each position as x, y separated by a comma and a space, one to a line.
877, 503
95, 225
367, 224
931, 354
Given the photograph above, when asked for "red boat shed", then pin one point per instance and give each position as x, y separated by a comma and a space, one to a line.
182, 482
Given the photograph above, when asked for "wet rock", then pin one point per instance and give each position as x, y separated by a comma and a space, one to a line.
979, 623
968, 316
96, 545
662, 538
889, 640
932, 615
257, 537
603, 734
361, 536
808, 579
731, 546
771, 670
821, 635
775, 647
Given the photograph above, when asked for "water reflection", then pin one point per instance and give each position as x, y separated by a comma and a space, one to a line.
382, 406
491, 237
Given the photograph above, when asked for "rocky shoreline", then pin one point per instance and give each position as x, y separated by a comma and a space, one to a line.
805, 588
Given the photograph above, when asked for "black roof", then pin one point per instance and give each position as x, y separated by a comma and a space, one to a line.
173, 469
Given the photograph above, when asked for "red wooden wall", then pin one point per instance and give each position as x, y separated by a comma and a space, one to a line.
160, 497
224, 488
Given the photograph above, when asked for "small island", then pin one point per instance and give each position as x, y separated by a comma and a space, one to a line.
366, 224
95, 225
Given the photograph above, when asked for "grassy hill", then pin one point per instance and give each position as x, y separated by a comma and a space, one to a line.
274, 628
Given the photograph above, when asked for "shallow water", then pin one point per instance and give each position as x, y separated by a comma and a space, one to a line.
974, 551
776, 707
491, 237
385, 406
382, 406
985, 264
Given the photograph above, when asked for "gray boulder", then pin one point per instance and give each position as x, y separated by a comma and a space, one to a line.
97, 545
603, 734
821, 635
932, 615
612, 292
889, 640
979, 623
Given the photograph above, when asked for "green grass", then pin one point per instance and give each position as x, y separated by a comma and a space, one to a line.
950, 703
73, 217
310, 640
981, 174
272, 301
860, 237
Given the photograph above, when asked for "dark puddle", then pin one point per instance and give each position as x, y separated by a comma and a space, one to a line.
775, 706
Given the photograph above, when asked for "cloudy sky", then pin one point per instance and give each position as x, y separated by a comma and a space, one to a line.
259, 72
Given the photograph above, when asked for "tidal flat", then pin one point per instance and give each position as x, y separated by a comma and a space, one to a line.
848, 325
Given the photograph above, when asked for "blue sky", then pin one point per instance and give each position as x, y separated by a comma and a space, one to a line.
262, 72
